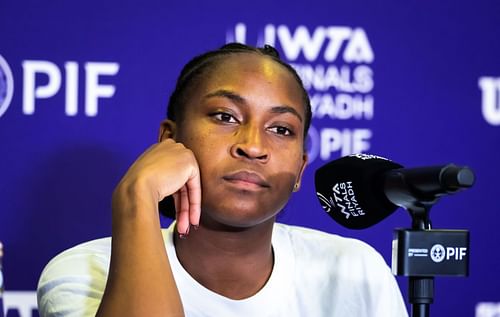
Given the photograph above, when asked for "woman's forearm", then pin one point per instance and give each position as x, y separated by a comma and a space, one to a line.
140, 280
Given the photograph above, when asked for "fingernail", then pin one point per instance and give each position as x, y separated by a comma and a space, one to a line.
185, 234
196, 227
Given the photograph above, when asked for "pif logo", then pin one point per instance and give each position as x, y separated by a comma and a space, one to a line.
440, 253
6, 85
34, 89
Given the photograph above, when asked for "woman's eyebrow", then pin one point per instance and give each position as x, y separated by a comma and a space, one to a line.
286, 109
240, 100
227, 94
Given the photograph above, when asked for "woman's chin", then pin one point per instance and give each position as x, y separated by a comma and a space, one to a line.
236, 219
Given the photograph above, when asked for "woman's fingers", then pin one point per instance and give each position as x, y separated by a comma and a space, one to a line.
188, 203
183, 212
194, 193
169, 168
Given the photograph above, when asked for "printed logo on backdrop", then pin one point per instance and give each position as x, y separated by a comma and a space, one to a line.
20, 303
334, 63
488, 309
6, 85
43, 80
490, 87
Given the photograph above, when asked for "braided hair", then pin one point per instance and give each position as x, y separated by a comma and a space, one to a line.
198, 65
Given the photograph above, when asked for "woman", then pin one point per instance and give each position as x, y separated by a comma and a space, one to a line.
231, 153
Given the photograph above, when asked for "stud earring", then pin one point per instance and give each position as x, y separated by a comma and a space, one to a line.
296, 187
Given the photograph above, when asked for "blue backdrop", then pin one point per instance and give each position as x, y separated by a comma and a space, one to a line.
84, 86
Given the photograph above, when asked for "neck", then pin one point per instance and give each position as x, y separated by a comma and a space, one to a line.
235, 263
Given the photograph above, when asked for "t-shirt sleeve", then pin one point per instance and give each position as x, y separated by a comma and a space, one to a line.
386, 299
344, 276
390, 302
72, 284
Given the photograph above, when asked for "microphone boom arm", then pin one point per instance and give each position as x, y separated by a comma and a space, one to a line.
418, 189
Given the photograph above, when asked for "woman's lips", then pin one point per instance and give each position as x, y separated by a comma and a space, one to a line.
247, 179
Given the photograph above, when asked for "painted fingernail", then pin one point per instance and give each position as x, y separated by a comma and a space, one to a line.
185, 234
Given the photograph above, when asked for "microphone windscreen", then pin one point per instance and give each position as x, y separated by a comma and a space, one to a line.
351, 190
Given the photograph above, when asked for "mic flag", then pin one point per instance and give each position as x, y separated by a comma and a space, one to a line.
360, 190
351, 190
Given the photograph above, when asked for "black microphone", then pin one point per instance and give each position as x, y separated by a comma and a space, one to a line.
360, 190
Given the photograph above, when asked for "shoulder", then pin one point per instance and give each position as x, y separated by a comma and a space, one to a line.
75, 276
350, 277
73, 282
87, 259
338, 257
331, 246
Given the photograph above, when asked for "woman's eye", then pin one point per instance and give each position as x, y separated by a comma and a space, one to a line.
281, 130
224, 117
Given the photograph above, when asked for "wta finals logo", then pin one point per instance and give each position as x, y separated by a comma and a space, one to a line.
6, 86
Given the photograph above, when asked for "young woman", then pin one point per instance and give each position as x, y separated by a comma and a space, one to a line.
231, 153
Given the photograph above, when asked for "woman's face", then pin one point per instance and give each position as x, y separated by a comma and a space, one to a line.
244, 122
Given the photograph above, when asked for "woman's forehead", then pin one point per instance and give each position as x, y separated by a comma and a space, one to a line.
250, 63
238, 71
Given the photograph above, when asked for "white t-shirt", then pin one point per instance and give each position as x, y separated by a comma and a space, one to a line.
314, 274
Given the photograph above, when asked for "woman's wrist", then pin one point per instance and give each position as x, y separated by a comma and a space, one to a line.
134, 199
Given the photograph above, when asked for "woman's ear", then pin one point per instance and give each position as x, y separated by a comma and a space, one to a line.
167, 130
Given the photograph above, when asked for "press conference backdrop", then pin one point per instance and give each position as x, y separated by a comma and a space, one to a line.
84, 86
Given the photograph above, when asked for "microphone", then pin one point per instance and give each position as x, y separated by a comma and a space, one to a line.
360, 190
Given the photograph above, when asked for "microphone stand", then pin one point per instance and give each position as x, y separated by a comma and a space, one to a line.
421, 288
415, 256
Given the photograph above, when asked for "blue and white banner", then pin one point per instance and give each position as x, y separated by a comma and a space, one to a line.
84, 86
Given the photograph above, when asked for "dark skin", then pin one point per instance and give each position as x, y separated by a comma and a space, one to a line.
238, 144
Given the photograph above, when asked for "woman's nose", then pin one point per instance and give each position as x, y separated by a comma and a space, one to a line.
250, 144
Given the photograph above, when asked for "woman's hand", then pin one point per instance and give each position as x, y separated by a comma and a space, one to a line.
167, 168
